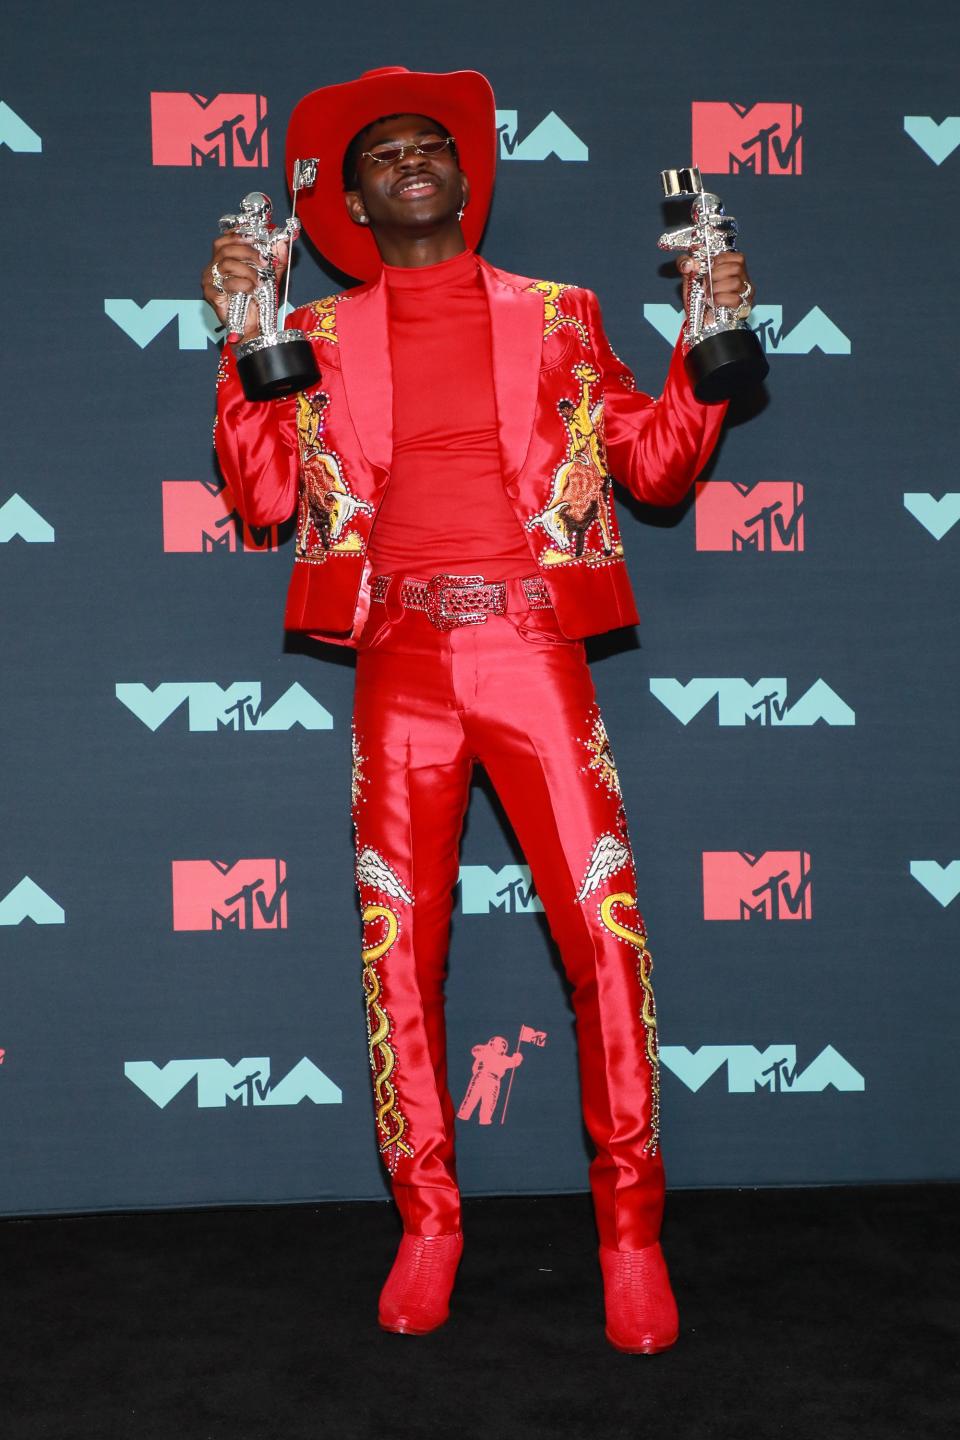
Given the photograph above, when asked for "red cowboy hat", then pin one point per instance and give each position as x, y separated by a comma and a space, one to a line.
324, 123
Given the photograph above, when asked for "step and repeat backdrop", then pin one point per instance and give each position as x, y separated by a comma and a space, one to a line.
181, 1012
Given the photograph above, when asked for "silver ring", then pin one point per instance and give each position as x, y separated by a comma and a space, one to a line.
217, 279
744, 308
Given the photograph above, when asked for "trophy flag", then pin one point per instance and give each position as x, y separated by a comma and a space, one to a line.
527, 1036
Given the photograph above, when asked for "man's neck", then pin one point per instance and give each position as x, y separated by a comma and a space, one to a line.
412, 252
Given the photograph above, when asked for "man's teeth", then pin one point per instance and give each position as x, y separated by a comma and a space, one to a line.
417, 185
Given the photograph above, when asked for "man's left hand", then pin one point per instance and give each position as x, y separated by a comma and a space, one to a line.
730, 280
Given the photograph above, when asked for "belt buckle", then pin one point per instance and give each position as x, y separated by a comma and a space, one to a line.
434, 601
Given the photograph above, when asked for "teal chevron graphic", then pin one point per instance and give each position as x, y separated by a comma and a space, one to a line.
20, 520
941, 881
937, 516
16, 133
936, 141
552, 136
26, 901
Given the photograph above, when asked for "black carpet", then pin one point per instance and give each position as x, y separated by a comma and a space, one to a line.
808, 1313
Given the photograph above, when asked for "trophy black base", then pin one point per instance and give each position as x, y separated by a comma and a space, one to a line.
724, 364
268, 371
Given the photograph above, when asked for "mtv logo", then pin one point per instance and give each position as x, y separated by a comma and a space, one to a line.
936, 141
199, 517
761, 703
816, 331
247, 1083
236, 707
765, 516
940, 881
773, 1069
771, 886
936, 516
552, 136
20, 520
760, 139
192, 130
229, 895
197, 325
16, 133
510, 888
26, 901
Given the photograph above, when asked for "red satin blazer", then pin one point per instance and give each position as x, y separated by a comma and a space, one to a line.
570, 418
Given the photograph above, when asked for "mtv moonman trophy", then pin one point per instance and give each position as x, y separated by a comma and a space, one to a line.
275, 362
723, 356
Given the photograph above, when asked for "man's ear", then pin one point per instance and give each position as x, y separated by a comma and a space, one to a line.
465, 187
355, 207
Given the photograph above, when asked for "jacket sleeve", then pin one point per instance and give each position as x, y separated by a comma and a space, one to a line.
656, 447
256, 445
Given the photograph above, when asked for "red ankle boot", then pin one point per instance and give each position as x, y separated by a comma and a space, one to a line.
641, 1311
416, 1297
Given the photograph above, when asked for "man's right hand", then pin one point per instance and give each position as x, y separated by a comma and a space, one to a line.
237, 263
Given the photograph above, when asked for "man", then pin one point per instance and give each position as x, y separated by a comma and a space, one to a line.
452, 477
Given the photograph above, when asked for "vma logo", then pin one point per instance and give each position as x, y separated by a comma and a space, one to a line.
940, 881
509, 888
552, 136
765, 516
761, 139
816, 331
771, 886
229, 895
16, 133
938, 142
199, 517
936, 516
247, 1083
191, 130
234, 707
197, 325
750, 1069
26, 901
760, 703
20, 521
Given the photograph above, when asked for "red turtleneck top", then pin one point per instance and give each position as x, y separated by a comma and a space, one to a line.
444, 510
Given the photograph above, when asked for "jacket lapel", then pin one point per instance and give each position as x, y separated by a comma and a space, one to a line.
367, 373
516, 326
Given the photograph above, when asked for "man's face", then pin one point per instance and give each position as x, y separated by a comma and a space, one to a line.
415, 193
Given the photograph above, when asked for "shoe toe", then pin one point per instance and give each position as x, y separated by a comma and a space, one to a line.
416, 1296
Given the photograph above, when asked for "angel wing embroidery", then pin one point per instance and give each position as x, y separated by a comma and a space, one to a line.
373, 870
609, 856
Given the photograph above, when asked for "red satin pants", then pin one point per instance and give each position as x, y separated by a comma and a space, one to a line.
516, 696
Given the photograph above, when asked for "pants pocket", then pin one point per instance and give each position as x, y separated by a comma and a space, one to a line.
539, 627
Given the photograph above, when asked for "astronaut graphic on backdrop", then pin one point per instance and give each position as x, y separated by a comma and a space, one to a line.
490, 1063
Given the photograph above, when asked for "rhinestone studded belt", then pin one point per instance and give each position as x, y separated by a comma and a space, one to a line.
452, 600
